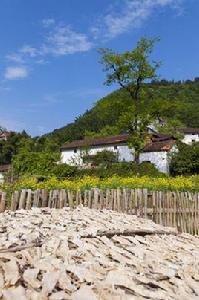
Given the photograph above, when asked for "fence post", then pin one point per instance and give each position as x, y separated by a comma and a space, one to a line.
3, 202
22, 199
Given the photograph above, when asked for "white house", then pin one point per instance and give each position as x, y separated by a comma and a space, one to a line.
72, 153
4, 135
191, 135
3, 169
156, 151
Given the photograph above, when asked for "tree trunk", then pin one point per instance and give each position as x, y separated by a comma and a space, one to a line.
136, 157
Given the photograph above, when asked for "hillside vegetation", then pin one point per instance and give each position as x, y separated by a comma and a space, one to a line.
171, 101
163, 99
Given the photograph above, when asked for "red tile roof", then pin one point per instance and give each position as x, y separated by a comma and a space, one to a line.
160, 146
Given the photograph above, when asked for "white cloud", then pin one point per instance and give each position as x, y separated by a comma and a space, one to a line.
17, 72
63, 40
48, 22
130, 15
29, 50
60, 39
15, 57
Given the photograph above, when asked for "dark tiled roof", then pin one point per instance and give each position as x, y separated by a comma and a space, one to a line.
159, 146
115, 139
108, 140
190, 130
158, 137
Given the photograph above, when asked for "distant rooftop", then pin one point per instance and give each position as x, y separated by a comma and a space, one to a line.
5, 168
108, 140
159, 142
4, 135
190, 130
160, 146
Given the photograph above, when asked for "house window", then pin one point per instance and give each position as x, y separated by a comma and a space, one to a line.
75, 150
115, 147
193, 141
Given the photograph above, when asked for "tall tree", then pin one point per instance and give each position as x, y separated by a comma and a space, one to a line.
130, 70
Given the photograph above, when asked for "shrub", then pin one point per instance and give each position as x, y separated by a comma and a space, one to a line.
186, 160
123, 169
64, 171
103, 158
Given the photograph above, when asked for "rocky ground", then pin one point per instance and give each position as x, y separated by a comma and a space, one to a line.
85, 254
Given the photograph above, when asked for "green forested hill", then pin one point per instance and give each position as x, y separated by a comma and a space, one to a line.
165, 99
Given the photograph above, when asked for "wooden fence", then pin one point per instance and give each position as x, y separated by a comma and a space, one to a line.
176, 209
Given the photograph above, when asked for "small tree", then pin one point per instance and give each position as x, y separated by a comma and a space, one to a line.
103, 158
130, 70
35, 163
186, 160
173, 127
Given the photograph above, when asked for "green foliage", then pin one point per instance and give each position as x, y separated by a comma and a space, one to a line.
105, 131
13, 144
130, 70
173, 127
160, 99
129, 67
123, 169
35, 163
104, 158
186, 160
64, 171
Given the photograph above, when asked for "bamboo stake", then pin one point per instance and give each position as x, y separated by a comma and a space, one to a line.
14, 200
90, 199
145, 195
3, 202
131, 201
29, 200
44, 196
22, 199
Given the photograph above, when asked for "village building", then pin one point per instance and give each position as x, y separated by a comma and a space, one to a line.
3, 170
191, 135
156, 151
4, 135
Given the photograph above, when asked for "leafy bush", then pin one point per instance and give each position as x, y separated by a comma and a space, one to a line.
35, 163
64, 171
149, 169
104, 158
123, 169
186, 160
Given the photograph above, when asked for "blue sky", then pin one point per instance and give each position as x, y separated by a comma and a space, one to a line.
49, 65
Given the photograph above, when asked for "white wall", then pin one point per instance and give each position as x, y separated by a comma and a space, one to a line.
1, 177
159, 159
69, 156
188, 138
